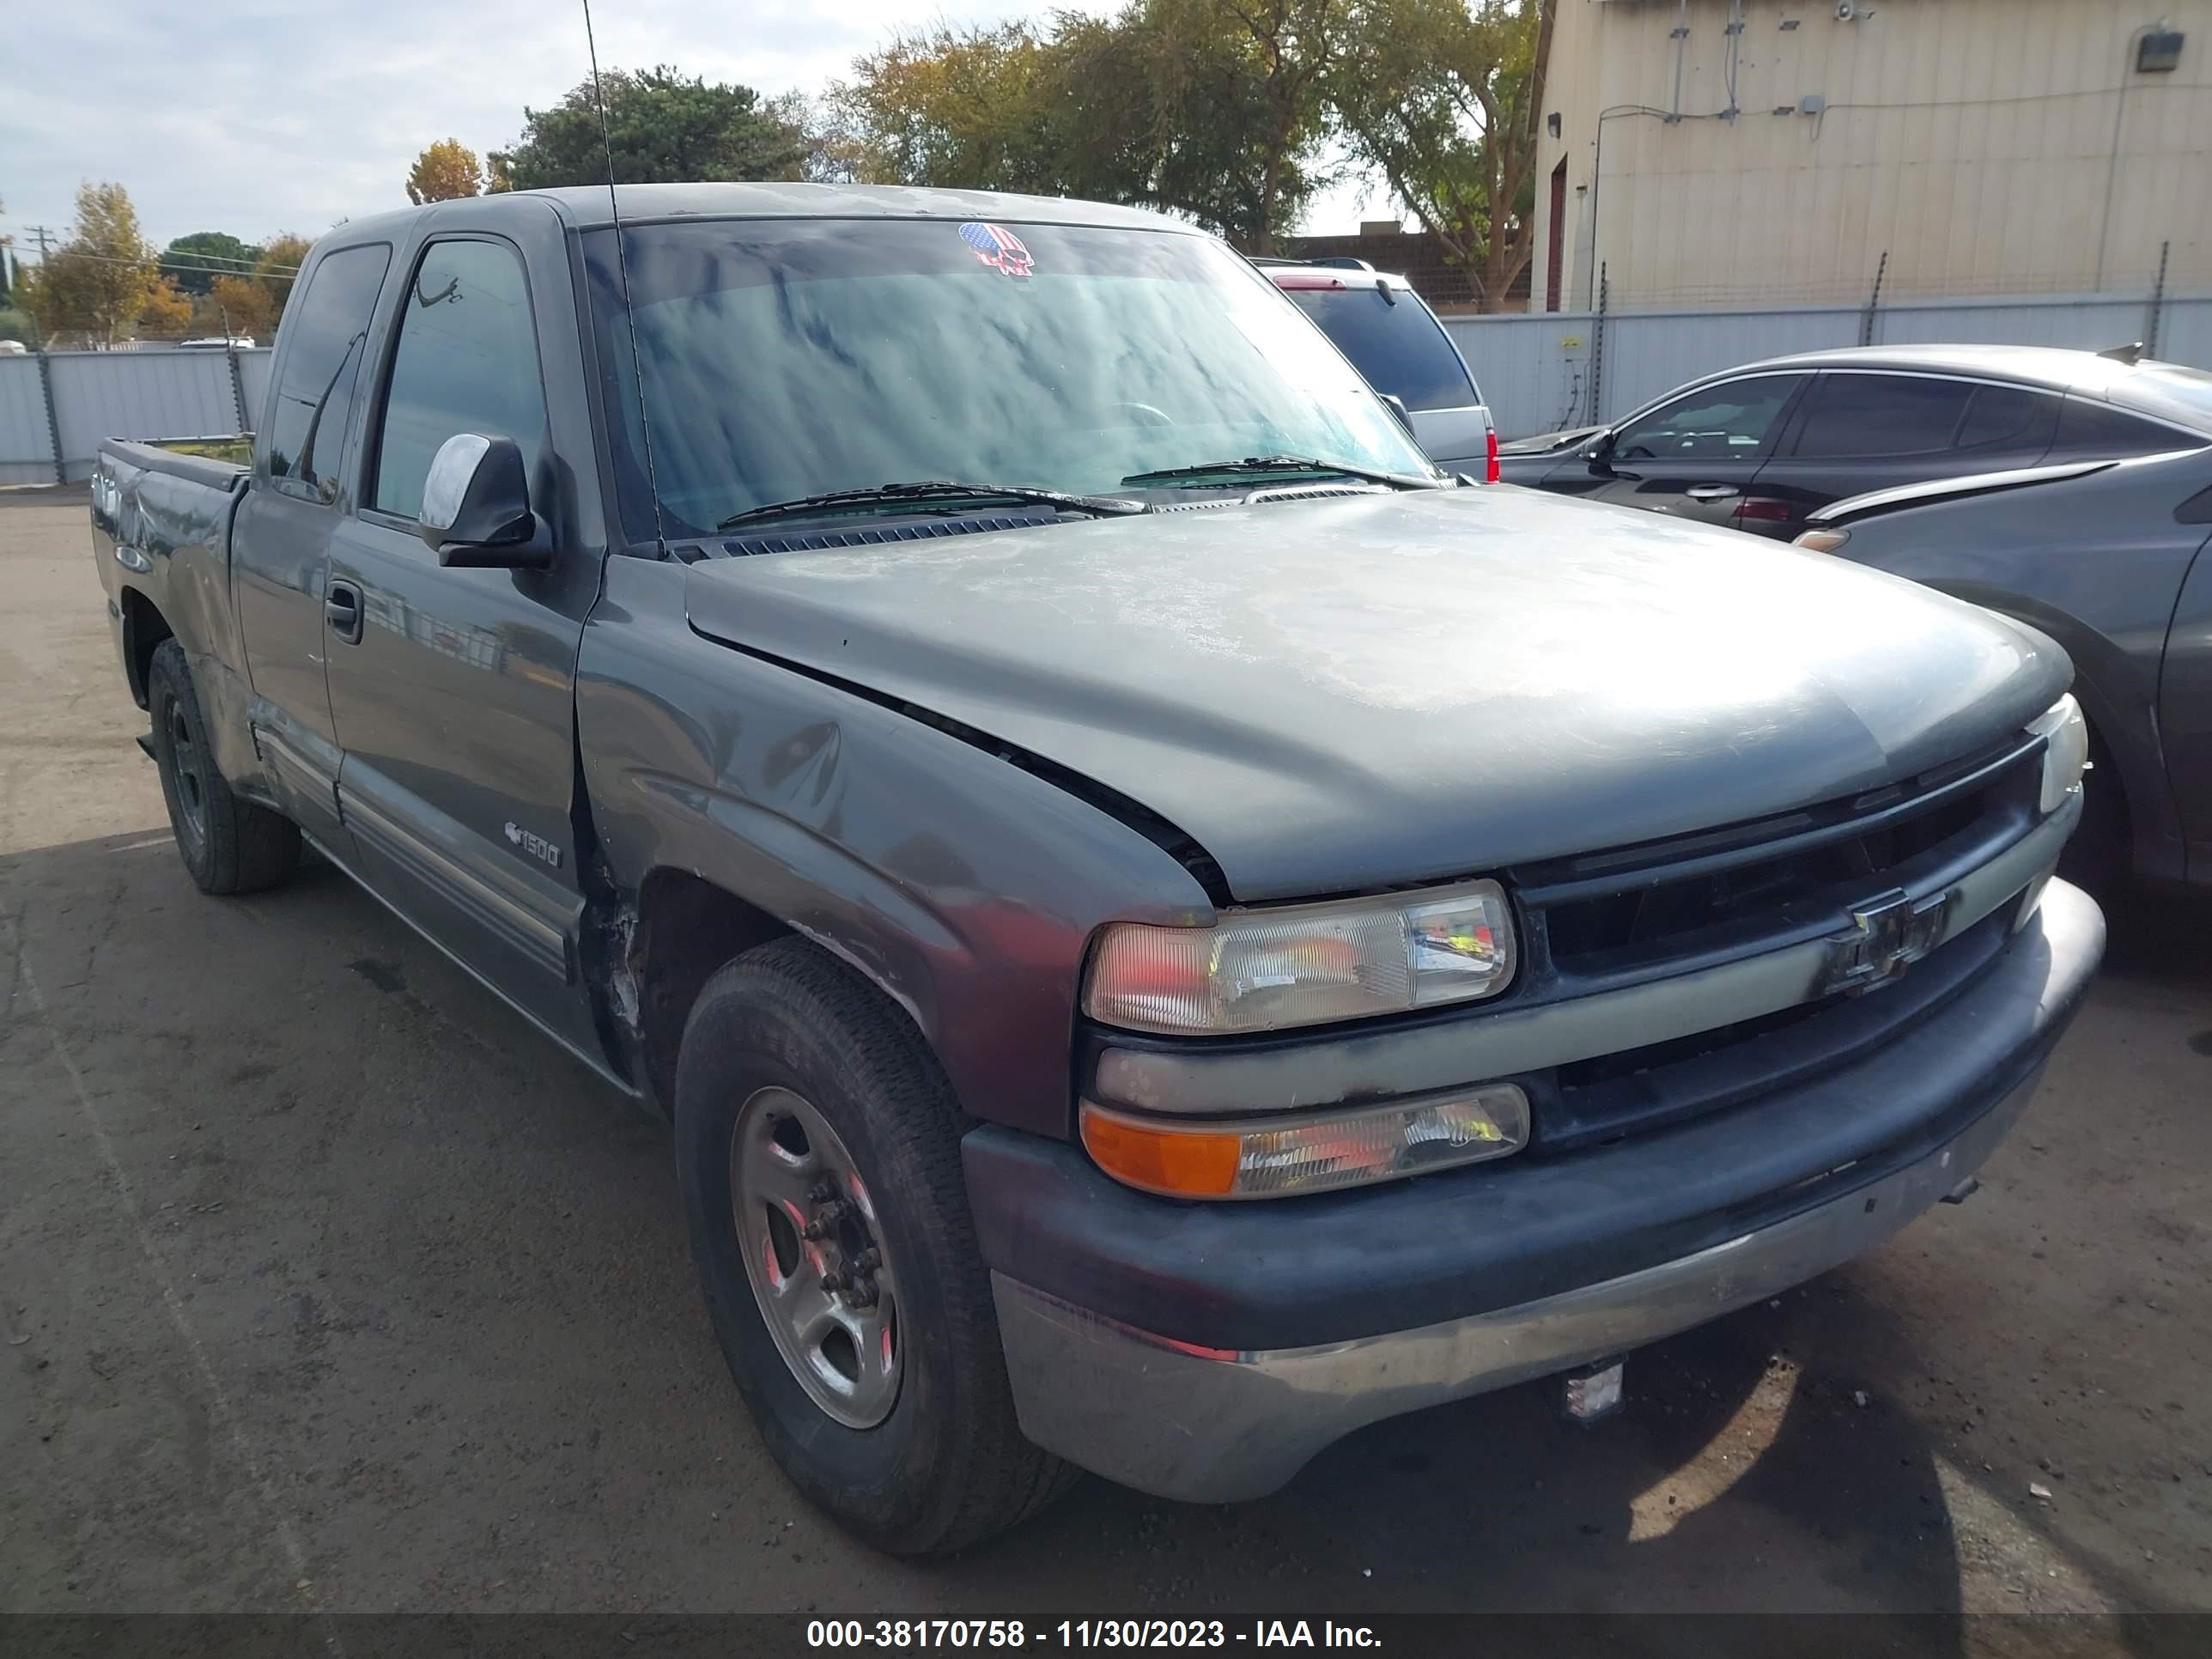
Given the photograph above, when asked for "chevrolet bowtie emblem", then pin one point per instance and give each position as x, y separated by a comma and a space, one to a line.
1887, 935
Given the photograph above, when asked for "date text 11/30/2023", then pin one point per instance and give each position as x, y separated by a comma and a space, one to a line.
1085, 1633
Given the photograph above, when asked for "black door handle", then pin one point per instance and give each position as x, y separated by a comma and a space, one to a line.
342, 611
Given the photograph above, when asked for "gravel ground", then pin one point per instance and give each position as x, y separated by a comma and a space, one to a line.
326, 1285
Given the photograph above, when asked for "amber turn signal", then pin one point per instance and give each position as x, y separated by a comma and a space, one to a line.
1192, 1163
1310, 1151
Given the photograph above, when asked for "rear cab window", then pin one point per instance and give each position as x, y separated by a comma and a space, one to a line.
324, 330
1397, 343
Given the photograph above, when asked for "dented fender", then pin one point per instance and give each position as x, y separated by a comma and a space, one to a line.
964, 888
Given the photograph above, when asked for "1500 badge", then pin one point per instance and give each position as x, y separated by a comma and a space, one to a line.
536, 846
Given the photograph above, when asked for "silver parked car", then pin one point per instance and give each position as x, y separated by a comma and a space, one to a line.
1394, 340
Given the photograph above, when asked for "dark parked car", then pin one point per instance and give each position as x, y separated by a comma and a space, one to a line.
1393, 339
1763, 447
1156, 954
2110, 559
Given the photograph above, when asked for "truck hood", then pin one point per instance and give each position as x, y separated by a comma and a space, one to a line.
1350, 693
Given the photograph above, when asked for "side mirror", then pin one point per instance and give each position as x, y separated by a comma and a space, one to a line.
1398, 408
1598, 450
476, 505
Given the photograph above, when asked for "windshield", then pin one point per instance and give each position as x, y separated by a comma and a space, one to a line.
1401, 348
785, 358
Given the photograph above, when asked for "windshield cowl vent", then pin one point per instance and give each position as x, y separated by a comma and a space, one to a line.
873, 535
1274, 493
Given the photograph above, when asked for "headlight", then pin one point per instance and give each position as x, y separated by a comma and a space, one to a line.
1304, 964
2065, 751
1312, 1152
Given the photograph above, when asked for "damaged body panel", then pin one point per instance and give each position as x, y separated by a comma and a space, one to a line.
1164, 929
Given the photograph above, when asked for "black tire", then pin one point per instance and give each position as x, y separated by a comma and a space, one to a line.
948, 1466
228, 845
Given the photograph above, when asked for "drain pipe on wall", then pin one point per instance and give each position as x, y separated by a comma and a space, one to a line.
2113, 167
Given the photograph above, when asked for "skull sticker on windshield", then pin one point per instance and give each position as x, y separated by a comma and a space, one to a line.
997, 247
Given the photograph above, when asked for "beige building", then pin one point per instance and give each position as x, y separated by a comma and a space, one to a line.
1719, 152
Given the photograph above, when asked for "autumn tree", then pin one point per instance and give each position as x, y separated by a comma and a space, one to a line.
195, 261
1443, 100
167, 309
662, 127
98, 281
443, 172
282, 256
239, 305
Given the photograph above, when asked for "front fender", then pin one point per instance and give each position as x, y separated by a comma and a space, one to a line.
964, 888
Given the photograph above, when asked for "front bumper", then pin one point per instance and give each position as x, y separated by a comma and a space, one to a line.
1636, 1241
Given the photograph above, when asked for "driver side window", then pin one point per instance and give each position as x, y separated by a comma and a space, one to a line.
467, 361
1732, 420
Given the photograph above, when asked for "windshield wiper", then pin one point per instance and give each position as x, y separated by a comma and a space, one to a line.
932, 489
1252, 463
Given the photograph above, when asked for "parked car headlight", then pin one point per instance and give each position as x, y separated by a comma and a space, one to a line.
2065, 751
1304, 964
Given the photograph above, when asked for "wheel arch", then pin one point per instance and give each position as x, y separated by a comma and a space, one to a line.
144, 628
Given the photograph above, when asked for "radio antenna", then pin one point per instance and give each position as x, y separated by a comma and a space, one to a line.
621, 267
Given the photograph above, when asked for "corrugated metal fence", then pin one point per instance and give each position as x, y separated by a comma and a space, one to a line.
1551, 369
55, 409
1540, 371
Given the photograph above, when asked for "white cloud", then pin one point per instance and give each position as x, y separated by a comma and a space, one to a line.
270, 117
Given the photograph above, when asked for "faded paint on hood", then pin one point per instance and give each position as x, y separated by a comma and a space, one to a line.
1345, 694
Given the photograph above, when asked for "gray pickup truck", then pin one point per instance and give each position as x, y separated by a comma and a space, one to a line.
1167, 929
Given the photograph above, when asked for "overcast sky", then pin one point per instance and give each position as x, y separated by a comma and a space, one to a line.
258, 116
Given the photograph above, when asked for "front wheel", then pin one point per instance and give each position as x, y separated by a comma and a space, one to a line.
818, 1147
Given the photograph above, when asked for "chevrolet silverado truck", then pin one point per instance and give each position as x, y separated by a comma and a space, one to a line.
1166, 929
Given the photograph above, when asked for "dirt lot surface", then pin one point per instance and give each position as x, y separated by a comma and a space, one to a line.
326, 1285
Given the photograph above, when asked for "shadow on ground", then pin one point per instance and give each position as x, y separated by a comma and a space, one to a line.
439, 1274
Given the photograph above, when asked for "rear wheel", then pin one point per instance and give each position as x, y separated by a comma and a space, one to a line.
817, 1146
228, 845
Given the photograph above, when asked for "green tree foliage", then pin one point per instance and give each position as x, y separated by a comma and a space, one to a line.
17, 325
1217, 109
1443, 99
443, 172
663, 126
97, 283
1225, 111
195, 261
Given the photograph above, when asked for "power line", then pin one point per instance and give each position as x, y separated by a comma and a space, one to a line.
185, 263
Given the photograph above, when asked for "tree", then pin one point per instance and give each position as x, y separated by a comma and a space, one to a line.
195, 261
1246, 84
443, 172
663, 127
98, 282
497, 179
240, 306
278, 268
168, 309
1212, 108
1443, 102
958, 108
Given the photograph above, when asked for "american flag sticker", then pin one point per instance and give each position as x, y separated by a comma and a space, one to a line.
997, 247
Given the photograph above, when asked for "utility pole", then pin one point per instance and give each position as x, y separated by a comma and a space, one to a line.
41, 232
